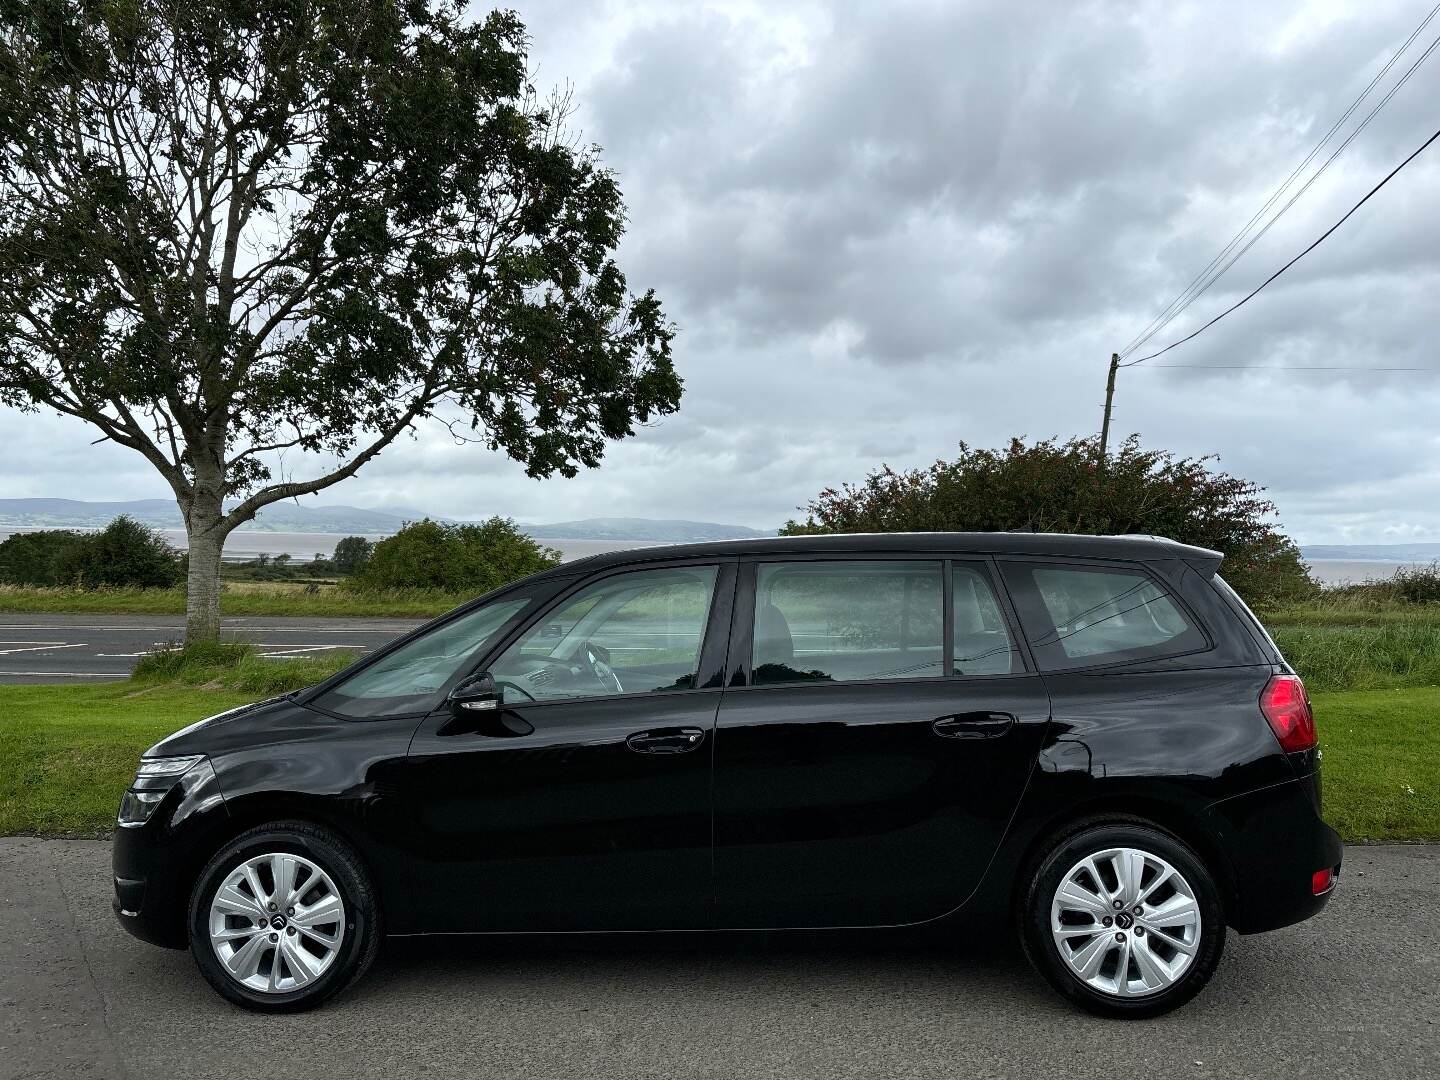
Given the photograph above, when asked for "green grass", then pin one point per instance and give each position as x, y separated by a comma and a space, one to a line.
1385, 655
236, 666
67, 752
237, 598
1382, 763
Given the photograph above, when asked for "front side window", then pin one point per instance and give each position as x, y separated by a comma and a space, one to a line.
417, 675
842, 621
1083, 616
635, 632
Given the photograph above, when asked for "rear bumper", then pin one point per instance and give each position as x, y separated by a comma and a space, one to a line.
1276, 841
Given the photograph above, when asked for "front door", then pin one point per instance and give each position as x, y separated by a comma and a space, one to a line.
878, 733
584, 803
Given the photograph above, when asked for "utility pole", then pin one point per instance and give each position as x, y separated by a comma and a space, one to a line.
1109, 401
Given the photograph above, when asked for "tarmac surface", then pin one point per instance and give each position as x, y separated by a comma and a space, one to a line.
44, 648
1354, 992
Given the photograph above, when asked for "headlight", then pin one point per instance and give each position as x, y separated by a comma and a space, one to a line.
153, 781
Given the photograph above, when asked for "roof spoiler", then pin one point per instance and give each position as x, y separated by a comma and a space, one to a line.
1204, 561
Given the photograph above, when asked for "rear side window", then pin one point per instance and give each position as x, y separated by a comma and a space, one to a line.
982, 639
841, 621
1084, 616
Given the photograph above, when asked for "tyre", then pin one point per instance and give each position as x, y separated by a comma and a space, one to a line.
1123, 919
283, 918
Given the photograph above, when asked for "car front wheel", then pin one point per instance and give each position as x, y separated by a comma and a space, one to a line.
283, 918
1124, 920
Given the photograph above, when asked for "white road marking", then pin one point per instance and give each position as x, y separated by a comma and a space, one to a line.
302, 650
38, 646
68, 674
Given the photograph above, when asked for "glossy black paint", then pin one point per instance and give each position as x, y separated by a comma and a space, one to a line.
877, 803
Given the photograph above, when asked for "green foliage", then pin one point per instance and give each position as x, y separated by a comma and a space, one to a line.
124, 553
237, 666
351, 554
44, 558
128, 554
233, 230
469, 559
1050, 486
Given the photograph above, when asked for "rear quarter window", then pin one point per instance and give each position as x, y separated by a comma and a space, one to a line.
1082, 615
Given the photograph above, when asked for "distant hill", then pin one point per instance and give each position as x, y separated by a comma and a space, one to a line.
1396, 553
299, 518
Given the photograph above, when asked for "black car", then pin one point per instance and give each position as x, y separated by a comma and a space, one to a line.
1090, 738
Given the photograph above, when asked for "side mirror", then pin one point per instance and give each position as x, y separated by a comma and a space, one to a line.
476, 696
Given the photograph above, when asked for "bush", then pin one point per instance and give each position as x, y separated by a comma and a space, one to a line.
127, 553
467, 558
1049, 486
123, 554
351, 554
40, 558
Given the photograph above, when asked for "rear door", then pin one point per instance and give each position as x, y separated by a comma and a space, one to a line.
879, 726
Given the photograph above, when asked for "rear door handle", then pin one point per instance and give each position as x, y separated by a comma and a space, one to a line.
666, 740
973, 725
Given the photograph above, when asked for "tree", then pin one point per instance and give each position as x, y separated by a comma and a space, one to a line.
456, 558
1049, 486
351, 554
233, 230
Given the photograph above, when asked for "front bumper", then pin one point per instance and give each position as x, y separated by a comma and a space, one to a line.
154, 865
1276, 841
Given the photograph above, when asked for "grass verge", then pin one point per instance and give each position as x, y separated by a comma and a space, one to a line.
242, 598
228, 665
67, 752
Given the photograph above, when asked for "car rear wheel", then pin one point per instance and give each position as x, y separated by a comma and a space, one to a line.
1123, 919
283, 918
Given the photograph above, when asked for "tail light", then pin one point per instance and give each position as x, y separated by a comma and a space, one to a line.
1287, 710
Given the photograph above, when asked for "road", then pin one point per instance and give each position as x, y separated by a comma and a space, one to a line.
1352, 993
100, 648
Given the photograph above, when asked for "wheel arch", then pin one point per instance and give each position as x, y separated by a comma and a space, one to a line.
1103, 810
255, 811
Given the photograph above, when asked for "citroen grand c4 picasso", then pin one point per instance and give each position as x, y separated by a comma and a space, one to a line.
1090, 739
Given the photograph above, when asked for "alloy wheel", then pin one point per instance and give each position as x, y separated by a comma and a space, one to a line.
276, 922
1125, 922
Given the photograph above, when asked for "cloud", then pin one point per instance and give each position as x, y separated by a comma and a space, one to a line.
887, 227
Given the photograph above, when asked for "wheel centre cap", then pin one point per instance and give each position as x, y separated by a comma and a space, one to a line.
278, 922
1124, 920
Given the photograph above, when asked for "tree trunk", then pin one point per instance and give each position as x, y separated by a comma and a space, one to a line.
202, 588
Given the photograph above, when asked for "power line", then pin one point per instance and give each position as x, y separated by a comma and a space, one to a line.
1316, 176
1279, 367
1191, 293
1320, 240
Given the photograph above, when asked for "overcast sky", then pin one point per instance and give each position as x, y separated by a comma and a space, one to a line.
884, 228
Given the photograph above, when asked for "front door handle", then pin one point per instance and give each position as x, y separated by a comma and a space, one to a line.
973, 725
666, 740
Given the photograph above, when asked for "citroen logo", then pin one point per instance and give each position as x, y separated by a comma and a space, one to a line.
278, 922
